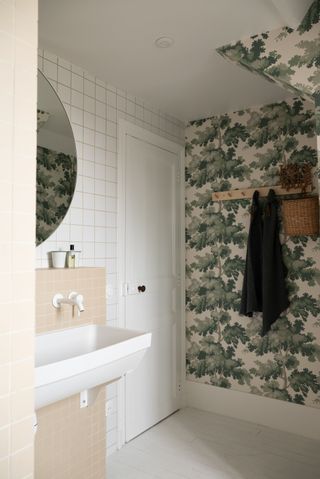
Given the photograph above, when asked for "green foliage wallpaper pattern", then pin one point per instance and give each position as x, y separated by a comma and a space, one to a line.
225, 349
286, 56
290, 58
56, 181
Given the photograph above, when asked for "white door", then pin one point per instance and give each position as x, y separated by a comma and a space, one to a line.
151, 239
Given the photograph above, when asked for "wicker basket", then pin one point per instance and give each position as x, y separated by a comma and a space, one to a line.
301, 216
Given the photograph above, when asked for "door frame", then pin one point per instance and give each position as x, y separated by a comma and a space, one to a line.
127, 128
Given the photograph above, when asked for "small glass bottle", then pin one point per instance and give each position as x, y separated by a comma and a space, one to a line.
71, 257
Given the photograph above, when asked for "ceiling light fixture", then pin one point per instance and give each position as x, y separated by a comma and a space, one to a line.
164, 42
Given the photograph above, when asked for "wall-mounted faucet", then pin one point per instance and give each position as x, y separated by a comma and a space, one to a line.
74, 299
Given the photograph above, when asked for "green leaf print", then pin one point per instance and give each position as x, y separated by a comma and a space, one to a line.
223, 348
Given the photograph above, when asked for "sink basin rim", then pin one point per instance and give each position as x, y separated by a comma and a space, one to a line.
65, 368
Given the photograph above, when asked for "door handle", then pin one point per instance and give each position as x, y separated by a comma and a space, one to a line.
141, 288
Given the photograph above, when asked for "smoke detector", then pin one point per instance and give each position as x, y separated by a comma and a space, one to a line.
164, 42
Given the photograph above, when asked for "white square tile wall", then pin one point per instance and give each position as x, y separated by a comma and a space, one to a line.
94, 108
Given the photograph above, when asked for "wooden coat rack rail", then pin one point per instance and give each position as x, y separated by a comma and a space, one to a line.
246, 193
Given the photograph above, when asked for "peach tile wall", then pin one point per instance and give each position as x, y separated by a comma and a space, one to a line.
90, 282
18, 90
70, 442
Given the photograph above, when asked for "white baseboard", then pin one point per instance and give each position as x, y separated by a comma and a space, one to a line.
274, 413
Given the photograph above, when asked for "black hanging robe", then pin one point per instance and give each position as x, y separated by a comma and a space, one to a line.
252, 282
264, 289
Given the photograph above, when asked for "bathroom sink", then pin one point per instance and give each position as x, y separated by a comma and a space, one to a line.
73, 360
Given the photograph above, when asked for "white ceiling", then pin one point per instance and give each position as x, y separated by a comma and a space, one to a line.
114, 40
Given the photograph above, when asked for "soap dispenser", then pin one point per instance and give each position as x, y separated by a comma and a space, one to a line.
71, 257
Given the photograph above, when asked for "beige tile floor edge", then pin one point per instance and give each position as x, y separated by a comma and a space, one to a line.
193, 444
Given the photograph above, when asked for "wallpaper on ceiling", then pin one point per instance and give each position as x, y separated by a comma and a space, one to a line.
225, 349
291, 58
56, 180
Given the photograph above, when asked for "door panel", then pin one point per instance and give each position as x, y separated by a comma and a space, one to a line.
151, 259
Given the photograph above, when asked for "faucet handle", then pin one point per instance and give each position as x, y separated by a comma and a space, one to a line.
56, 300
73, 295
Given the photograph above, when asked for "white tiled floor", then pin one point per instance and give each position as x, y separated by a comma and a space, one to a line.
193, 444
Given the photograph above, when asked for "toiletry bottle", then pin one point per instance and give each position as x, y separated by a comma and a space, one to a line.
71, 258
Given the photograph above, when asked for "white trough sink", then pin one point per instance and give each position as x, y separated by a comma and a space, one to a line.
76, 359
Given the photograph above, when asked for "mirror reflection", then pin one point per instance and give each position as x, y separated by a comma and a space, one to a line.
56, 161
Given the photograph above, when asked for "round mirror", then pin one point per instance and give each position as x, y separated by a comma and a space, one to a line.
56, 161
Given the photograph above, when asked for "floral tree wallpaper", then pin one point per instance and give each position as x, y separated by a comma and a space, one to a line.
244, 149
56, 181
288, 57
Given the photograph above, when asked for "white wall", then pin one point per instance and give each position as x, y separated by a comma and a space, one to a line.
94, 108
18, 62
